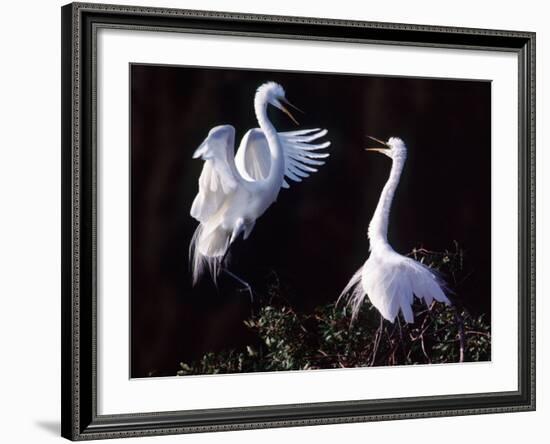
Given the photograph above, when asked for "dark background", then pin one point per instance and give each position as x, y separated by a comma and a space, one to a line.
314, 237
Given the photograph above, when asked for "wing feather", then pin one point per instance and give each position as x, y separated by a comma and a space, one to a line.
300, 155
293, 136
218, 177
253, 158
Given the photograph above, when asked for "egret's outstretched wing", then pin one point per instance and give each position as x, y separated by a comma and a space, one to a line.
218, 180
301, 156
218, 177
253, 158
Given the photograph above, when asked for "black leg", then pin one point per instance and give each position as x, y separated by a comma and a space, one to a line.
246, 285
377, 339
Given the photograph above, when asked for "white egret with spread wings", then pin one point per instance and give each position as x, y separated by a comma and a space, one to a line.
235, 190
389, 279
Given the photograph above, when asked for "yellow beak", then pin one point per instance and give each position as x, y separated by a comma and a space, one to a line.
286, 111
381, 142
380, 150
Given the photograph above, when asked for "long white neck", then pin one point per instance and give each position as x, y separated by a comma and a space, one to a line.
378, 227
276, 171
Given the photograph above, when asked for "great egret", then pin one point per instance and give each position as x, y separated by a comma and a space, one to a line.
235, 190
389, 279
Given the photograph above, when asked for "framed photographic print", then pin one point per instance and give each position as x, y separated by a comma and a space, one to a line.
279, 221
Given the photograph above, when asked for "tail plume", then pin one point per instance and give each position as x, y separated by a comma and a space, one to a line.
353, 294
207, 250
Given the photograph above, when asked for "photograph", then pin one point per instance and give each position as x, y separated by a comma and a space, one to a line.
284, 221
292, 221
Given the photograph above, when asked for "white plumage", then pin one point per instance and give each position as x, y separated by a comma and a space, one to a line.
235, 190
389, 279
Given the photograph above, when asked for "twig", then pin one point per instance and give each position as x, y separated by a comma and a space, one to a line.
461, 336
474, 332
423, 329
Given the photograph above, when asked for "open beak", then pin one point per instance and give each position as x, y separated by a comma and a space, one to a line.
385, 150
286, 111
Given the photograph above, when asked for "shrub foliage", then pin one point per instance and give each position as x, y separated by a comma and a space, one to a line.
323, 339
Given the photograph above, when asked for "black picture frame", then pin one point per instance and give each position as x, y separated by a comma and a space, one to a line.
79, 170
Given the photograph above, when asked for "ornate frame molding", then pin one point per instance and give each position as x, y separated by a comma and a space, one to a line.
80, 22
